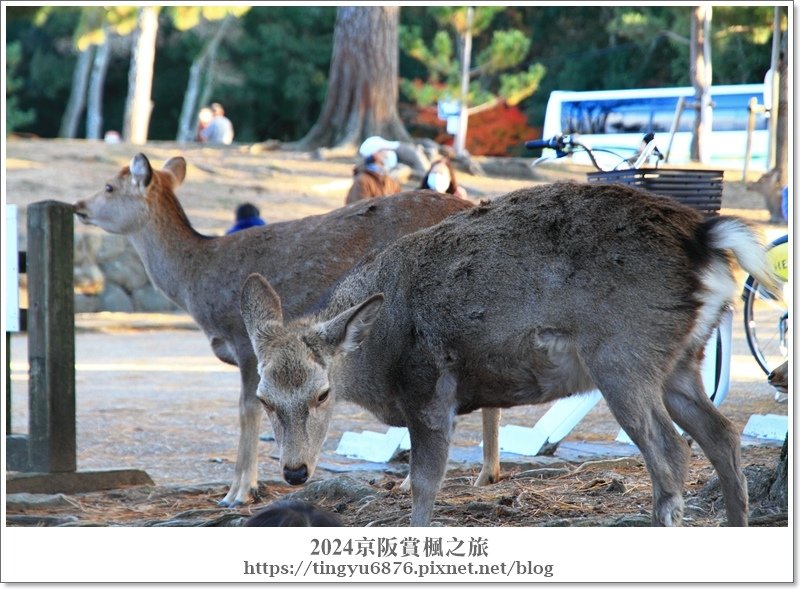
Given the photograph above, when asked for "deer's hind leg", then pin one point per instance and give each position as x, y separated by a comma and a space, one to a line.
635, 396
490, 471
691, 409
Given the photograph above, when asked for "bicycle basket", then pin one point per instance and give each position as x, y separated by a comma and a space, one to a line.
697, 189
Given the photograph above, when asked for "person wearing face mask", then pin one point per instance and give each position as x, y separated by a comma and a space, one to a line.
372, 179
442, 178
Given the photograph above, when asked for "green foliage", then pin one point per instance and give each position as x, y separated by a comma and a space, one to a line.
507, 50
283, 56
273, 63
44, 69
742, 38
188, 17
456, 17
16, 117
501, 51
517, 88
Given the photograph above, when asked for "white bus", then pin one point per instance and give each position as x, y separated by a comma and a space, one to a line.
618, 119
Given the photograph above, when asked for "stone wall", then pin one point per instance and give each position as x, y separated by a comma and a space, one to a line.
109, 276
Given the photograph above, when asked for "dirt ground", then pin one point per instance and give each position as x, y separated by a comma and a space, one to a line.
151, 396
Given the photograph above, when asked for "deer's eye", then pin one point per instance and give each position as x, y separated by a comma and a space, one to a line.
266, 405
109, 188
323, 396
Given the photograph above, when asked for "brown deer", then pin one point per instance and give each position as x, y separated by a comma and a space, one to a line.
779, 378
203, 275
543, 293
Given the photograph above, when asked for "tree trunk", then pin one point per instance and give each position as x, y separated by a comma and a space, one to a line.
140, 77
782, 127
777, 176
202, 63
700, 72
362, 82
94, 108
77, 95
779, 490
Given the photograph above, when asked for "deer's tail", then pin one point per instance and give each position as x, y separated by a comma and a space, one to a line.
717, 238
738, 237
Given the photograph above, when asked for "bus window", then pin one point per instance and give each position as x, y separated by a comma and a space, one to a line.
617, 119
730, 113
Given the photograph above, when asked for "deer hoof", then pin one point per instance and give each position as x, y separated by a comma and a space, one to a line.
487, 478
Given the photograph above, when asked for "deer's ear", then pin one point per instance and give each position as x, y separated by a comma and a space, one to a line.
348, 330
260, 306
141, 170
177, 167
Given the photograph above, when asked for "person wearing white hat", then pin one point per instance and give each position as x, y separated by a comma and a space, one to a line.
371, 179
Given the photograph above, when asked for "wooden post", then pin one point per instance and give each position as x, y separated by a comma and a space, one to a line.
46, 459
51, 337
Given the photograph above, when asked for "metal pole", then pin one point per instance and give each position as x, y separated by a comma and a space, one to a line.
461, 136
748, 146
676, 121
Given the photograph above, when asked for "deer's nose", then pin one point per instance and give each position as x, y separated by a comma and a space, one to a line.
296, 476
79, 208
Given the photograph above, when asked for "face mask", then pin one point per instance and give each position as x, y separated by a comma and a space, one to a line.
390, 160
438, 182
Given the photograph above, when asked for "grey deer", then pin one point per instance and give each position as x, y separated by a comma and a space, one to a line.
203, 275
543, 293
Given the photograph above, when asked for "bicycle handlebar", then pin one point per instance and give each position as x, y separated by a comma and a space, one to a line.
553, 143
567, 144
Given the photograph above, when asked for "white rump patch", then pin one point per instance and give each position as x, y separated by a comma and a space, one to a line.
718, 289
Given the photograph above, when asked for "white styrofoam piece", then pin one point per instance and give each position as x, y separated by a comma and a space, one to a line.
767, 427
372, 446
556, 423
405, 439
570, 411
521, 440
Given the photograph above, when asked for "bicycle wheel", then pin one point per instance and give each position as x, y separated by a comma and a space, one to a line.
766, 326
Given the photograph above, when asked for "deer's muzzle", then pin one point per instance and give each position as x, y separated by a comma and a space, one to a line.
295, 476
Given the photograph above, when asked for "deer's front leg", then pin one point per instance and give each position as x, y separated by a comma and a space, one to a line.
430, 429
245, 477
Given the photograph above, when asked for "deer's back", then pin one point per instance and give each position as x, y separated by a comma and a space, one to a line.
577, 263
303, 257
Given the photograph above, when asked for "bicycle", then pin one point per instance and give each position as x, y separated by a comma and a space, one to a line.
766, 318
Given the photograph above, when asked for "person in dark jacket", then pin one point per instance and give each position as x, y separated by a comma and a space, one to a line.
372, 179
247, 216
